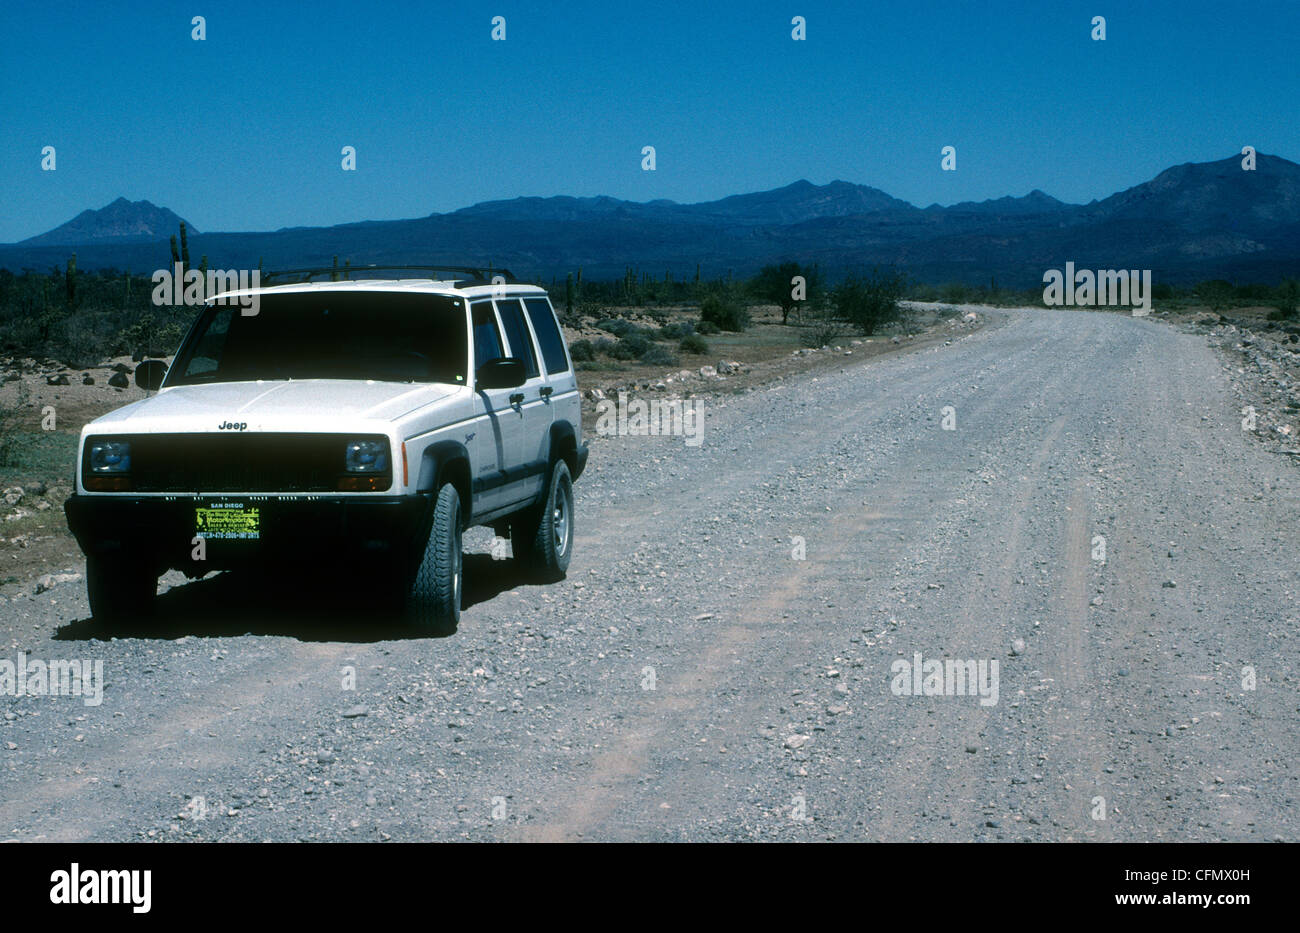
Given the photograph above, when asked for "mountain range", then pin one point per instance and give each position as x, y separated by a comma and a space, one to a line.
1191, 222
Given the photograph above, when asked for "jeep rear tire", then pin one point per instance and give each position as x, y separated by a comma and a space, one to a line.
433, 604
543, 537
119, 591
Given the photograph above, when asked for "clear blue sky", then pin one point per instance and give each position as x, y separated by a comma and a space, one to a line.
243, 131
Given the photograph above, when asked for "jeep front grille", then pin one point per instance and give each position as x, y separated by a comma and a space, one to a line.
209, 463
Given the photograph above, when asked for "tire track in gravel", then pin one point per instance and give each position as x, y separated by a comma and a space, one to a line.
604, 793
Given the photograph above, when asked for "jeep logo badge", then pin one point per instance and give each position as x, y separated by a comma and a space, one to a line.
232, 426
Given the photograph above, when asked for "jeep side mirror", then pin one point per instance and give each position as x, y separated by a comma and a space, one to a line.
504, 372
149, 374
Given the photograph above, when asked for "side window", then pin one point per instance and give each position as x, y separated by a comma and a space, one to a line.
521, 344
548, 335
487, 339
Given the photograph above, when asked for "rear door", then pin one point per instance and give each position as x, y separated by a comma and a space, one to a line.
560, 377
535, 409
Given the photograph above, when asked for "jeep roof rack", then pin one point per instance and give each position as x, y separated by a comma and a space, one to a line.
349, 273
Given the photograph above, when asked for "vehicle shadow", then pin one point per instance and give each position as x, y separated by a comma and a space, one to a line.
318, 608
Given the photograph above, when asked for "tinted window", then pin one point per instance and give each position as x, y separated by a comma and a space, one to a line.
328, 335
487, 338
521, 344
548, 335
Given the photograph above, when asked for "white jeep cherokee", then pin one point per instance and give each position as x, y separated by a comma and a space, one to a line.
360, 425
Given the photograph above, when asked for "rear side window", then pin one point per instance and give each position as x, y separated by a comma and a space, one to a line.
548, 335
521, 344
487, 339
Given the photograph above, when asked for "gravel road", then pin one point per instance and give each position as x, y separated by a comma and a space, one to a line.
693, 679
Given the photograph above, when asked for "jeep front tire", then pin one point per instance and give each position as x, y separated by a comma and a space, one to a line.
119, 591
433, 603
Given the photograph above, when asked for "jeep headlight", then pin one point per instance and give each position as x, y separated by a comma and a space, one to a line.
366, 457
110, 457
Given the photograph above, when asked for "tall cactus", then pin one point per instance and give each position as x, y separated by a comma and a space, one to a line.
568, 294
70, 282
185, 249
176, 257
203, 277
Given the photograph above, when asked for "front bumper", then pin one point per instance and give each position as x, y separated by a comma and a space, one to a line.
160, 530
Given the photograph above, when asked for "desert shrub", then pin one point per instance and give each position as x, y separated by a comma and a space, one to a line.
20, 337
676, 331
824, 327
582, 351
16, 426
694, 343
868, 301
658, 355
707, 328
1286, 299
603, 346
1216, 293
724, 312
955, 293
632, 347
84, 341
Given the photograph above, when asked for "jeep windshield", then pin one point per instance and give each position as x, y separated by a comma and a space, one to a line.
384, 336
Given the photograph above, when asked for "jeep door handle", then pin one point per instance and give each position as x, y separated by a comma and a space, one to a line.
545, 391
517, 398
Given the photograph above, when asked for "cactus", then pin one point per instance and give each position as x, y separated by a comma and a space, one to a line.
185, 249
70, 282
203, 277
176, 257
334, 272
347, 269
697, 273
568, 294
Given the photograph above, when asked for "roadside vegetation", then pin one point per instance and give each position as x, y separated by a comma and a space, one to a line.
80, 318
1215, 295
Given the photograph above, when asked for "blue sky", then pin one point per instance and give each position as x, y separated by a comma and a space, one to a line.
243, 131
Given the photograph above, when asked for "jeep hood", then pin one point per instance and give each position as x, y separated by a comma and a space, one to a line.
296, 405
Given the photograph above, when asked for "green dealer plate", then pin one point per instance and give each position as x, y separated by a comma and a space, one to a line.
231, 521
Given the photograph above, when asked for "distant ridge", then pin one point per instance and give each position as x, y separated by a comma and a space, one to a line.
1190, 222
